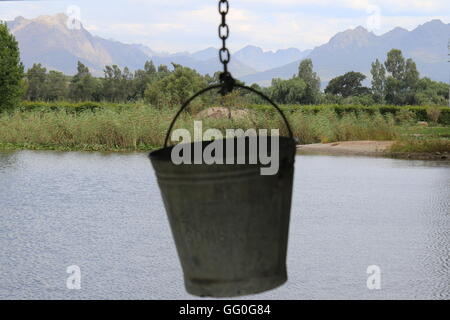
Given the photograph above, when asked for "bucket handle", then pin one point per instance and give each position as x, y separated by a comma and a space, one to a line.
220, 86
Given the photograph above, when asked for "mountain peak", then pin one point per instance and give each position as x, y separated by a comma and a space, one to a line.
435, 31
399, 29
435, 24
396, 32
250, 49
361, 29
206, 54
19, 18
358, 36
59, 18
209, 49
261, 60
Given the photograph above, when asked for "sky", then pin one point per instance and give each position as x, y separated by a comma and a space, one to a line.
191, 25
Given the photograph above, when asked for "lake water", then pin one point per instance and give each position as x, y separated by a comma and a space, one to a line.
103, 213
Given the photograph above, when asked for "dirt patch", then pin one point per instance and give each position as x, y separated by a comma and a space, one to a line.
376, 148
367, 148
222, 112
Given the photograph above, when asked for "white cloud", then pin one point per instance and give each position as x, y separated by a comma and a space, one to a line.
9, 10
415, 5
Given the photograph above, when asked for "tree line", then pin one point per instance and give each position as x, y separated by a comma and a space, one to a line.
396, 81
117, 85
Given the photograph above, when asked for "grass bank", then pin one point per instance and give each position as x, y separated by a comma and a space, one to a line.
94, 127
143, 127
429, 145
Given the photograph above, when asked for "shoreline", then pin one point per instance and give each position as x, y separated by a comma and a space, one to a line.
367, 148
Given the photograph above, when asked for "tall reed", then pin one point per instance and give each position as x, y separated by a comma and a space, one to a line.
143, 127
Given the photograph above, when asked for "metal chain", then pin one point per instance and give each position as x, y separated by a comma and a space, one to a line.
226, 79
224, 32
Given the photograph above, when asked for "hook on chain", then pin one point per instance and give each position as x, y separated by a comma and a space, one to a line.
226, 80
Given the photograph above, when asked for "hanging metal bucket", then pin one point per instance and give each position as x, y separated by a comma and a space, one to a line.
229, 222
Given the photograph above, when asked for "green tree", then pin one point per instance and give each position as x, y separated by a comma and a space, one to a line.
429, 92
394, 91
36, 76
112, 83
347, 85
11, 70
401, 85
142, 78
378, 81
290, 91
312, 80
163, 71
175, 88
118, 85
55, 86
410, 81
83, 85
395, 64
251, 98
128, 91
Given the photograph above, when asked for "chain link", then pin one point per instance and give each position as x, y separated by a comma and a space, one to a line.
224, 32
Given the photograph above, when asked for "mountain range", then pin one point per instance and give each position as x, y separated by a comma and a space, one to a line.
48, 40
356, 49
